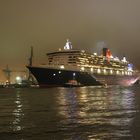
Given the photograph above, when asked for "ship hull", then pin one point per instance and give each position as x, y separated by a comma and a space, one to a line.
50, 77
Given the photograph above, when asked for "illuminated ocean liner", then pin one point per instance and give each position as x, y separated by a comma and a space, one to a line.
69, 67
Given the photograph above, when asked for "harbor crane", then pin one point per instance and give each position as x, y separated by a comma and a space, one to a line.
7, 71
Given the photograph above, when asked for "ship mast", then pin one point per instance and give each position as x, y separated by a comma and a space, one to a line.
31, 57
30, 77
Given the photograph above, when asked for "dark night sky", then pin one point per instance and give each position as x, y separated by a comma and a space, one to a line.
46, 24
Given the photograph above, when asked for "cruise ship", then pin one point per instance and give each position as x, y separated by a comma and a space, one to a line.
71, 68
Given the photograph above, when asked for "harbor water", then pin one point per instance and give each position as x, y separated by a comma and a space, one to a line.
80, 113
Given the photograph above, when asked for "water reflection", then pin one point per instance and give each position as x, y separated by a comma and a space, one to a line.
87, 113
68, 103
18, 113
108, 112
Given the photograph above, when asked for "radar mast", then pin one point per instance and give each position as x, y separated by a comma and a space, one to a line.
68, 45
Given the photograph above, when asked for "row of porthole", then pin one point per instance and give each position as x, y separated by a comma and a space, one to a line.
106, 71
74, 74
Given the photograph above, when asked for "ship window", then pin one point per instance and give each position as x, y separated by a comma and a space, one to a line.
98, 70
126, 73
105, 71
111, 71
82, 68
72, 59
62, 67
117, 72
72, 62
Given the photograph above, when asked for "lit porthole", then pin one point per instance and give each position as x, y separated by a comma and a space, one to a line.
111, 71
74, 74
105, 71
98, 70
82, 68
62, 67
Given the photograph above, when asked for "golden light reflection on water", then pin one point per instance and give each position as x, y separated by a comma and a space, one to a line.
18, 114
97, 107
83, 104
67, 104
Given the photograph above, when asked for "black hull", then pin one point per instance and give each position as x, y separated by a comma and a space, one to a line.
49, 77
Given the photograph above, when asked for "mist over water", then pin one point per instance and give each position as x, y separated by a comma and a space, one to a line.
83, 113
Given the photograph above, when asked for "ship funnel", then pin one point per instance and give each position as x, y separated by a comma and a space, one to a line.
107, 52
